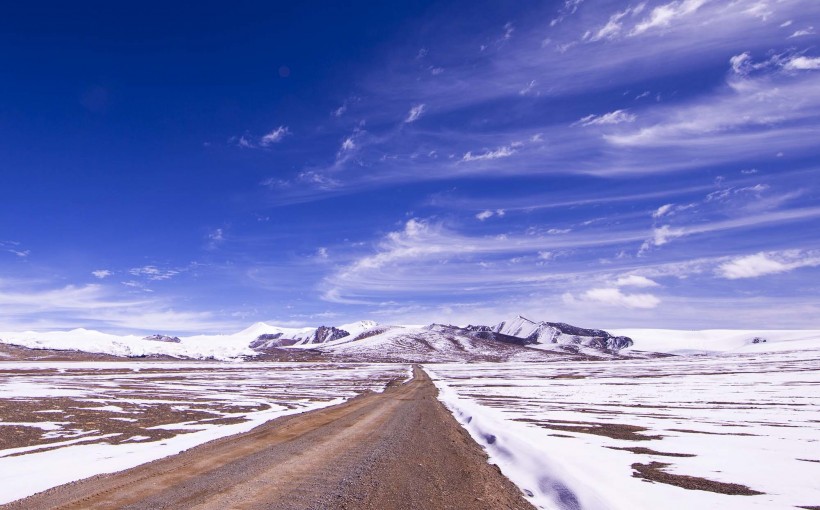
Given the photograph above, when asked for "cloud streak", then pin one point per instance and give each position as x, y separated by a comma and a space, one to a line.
763, 264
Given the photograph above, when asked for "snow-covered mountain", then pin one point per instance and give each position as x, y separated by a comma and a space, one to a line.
434, 343
518, 339
549, 334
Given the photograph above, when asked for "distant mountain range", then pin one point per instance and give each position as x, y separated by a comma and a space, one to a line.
517, 339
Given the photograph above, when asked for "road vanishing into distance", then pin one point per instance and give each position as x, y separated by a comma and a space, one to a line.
400, 449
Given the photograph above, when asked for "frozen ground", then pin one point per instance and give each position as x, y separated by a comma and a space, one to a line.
66, 421
727, 431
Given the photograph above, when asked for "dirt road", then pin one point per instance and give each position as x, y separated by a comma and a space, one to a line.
400, 449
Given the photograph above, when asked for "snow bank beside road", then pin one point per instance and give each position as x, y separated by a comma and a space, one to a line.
547, 483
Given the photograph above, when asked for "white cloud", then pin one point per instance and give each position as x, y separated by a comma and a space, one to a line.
634, 280
741, 64
483, 215
660, 236
546, 255
154, 273
615, 117
13, 247
528, 88
70, 297
322, 253
725, 194
428, 258
743, 120
29, 307
348, 144
134, 284
760, 9
318, 180
415, 113
760, 264
508, 31
613, 26
215, 238
665, 233
614, 297
101, 273
801, 63
663, 15
274, 136
662, 210
559, 231
244, 142
803, 32
501, 152
348, 149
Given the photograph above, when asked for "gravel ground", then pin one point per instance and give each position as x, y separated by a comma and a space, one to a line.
400, 449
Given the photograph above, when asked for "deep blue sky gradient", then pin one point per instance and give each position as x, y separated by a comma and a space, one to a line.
591, 161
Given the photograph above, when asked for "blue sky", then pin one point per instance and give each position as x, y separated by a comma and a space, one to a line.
605, 163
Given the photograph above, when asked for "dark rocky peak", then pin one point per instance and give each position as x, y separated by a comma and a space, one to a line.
163, 338
327, 334
268, 336
270, 341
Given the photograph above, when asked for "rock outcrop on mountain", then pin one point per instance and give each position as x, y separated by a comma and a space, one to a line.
325, 334
163, 338
271, 340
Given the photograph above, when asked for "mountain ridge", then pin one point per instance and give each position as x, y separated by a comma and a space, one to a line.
518, 338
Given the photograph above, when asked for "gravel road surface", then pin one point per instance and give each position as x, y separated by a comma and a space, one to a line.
400, 449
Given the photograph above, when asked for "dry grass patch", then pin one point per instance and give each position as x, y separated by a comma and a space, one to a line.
653, 472
619, 431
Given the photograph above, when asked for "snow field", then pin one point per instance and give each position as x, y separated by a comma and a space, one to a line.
224, 398
752, 420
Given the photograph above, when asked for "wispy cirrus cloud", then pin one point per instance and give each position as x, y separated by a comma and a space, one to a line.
759, 112
275, 136
762, 264
415, 113
614, 297
14, 248
802, 63
577, 201
615, 117
247, 141
783, 110
430, 257
30, 306
667, 14
486, 214
150, 272
634, 280
501, 152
